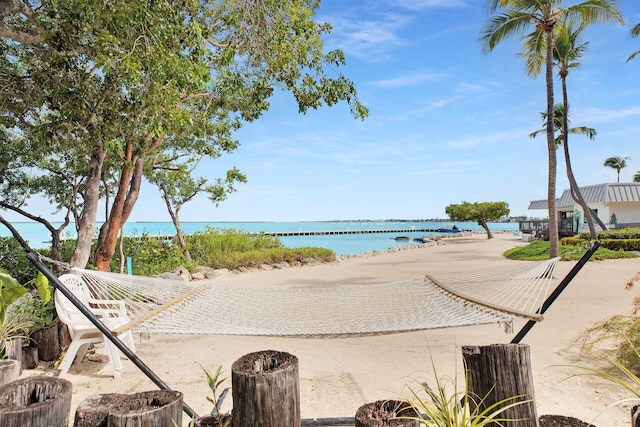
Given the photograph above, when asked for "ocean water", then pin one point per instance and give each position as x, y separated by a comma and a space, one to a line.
349, 244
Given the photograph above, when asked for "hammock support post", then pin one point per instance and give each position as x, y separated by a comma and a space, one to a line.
53, 279
556, 293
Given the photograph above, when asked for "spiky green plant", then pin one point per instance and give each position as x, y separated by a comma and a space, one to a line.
460, 408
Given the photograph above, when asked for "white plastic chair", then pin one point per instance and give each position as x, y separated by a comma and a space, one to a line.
110, 312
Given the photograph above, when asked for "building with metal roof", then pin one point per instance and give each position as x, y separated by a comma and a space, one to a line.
617, 204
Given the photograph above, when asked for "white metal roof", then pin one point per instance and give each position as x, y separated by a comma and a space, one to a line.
602, 193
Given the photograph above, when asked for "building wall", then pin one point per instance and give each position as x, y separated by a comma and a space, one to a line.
625, 212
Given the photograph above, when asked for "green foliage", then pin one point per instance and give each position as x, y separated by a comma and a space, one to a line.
478, 211
459, 408
538, 250
213, 248
151, 255
214, 381
615, 233
14, 261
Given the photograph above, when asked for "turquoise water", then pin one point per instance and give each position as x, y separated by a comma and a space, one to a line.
349, 244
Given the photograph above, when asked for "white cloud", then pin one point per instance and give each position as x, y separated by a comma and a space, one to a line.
410, 79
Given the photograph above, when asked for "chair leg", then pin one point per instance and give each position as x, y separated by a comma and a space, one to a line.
114, 358
75, 348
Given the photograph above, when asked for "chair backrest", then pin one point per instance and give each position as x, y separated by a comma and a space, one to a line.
67, 312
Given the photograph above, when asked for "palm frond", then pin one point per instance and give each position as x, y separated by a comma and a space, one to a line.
503, 26
534, 52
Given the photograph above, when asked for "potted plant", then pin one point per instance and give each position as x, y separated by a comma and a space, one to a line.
14, 328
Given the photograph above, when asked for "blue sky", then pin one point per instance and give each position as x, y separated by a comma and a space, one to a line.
447, 123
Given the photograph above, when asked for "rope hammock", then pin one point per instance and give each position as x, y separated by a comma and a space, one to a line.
495, 295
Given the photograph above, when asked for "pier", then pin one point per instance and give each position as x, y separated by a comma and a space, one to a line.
337, 232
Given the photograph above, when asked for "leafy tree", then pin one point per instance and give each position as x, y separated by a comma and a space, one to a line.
178, 186
617, 162
113, 87
635, 32
481, 212
636, 177
542, 16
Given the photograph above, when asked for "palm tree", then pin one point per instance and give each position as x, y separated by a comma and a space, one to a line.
542, 16
617, 163
558, 120
567, 50
635, 32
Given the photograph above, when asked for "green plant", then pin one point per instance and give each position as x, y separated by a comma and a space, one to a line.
538, 250
214, 381
459, 408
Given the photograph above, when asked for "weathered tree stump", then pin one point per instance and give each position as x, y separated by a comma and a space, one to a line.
48, 343
265, 390
94, 410
384, 413
562, 421
635, 416
64, 337
502, 371
145, 409
35, 401
9, 370
13, 349
30, 358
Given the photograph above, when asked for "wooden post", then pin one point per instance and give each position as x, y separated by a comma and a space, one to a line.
502, 371
265, 390
386, 413
35, 401
144, 409
9, 370
48, 343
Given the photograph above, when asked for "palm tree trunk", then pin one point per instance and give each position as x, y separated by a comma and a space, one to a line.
551, 149
573, 185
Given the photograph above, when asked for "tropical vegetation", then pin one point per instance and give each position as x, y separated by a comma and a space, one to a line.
480, 212
617, 162
99, 95
515, 17
570, 249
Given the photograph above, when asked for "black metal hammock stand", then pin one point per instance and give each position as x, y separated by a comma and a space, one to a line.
53, 279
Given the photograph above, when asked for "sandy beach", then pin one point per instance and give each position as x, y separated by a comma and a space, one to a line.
338, 375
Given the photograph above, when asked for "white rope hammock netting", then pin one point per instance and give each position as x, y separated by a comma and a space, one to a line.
495, 295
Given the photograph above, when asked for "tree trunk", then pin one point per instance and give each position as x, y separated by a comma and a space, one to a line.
13, 349
145, 409
484, 225
126, 197
86, 221
386, 413
48, 343
36, 401
573, 184
176, 221
551, 149
265, 390
30, 358
502, 371
9, 370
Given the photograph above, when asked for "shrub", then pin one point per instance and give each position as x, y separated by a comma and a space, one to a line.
616, 233
621, 244
13, 259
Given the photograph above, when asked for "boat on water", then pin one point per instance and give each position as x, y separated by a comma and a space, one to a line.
401, 238
449, 228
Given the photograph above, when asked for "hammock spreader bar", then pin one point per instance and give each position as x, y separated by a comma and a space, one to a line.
558, 290
105, 331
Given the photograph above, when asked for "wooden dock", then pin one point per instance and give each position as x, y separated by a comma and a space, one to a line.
338, 232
